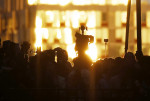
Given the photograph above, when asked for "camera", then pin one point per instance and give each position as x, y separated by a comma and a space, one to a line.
82, 41
87, 38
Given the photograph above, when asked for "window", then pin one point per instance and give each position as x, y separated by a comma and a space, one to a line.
91, 19
123, 18
117, 2
118, 19
143, 19
102, 2
104, 19
135, 36
32, 2
120, 35
122, 50
81, 2
101, 34
62, 19
148, 19
98, 18
83, 17
145, 35
49, 18
135, 23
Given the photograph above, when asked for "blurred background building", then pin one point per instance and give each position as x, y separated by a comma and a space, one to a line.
53, 23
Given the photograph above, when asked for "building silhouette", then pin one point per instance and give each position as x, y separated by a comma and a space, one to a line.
53, 23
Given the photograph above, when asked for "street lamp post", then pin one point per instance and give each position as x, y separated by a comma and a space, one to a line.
127, 26
139, 53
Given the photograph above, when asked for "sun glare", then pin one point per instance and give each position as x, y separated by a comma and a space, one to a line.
38, 32
31, 2
125, 2
75, 19
63, 23
59, 34
38, 42
45, 34
42, 33
116, 2
64, 2
68, 36
71, 51
92, 51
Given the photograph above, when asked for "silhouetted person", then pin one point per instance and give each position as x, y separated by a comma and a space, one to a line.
63, 66
25, 46
82, 42
1, 54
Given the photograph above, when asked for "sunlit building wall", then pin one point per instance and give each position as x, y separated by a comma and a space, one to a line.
53, 23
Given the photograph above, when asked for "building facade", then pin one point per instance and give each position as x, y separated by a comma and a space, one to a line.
53, 23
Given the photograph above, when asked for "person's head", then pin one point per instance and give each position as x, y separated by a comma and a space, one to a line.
49, 55
25, 46
82, 63
129, 57
118, 61
15, 49
62, 55
7, 46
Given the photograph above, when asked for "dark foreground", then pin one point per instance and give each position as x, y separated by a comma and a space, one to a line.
41, 78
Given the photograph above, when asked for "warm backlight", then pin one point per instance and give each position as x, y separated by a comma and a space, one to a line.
38, 31
77, 2
64, 34
117, 2
92, 51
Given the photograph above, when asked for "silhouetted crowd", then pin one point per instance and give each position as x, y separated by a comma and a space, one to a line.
48, 76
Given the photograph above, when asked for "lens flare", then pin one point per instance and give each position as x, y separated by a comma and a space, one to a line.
38, 42
92, 51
